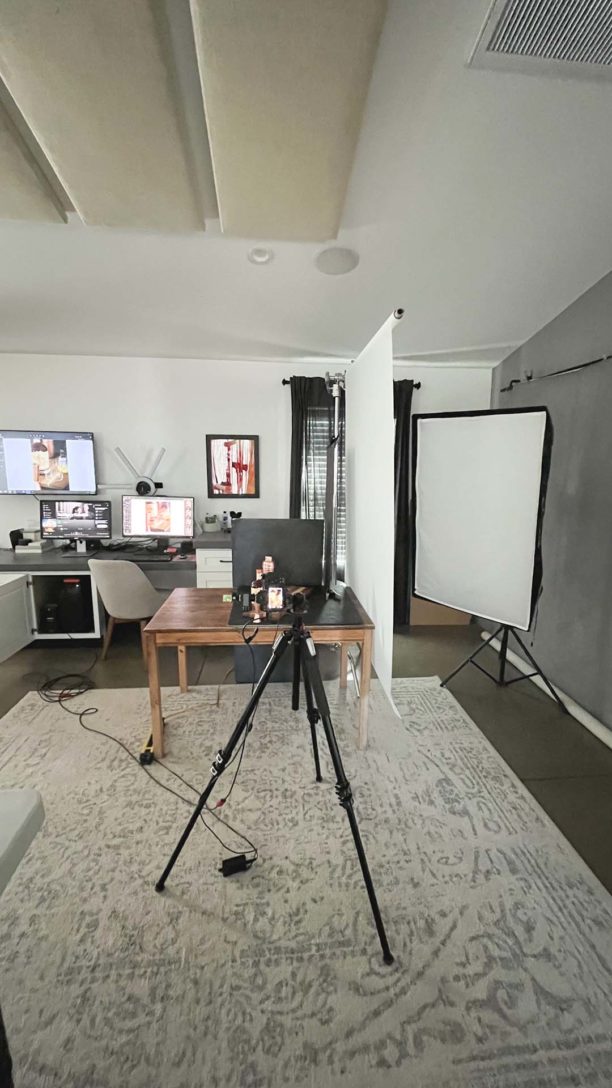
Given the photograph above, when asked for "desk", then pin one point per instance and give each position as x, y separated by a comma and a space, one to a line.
60, 559
200, 617
42, 577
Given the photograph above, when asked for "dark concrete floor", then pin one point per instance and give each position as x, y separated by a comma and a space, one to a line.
123, 667
566, 768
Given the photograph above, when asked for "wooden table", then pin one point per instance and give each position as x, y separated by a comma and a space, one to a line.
200, 617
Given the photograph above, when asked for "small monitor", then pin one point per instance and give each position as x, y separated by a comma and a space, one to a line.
72, 519
47, 461
157, 517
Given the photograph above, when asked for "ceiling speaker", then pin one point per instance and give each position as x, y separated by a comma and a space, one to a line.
336, 261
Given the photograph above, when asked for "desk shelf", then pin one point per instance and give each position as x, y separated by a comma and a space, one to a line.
54, 588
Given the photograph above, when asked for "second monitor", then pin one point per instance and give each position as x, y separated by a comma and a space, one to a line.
157, 518
63, 519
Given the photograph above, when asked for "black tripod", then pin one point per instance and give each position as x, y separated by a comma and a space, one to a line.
500, 679
305, 667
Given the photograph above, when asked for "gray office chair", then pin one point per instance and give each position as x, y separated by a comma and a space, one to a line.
127, 596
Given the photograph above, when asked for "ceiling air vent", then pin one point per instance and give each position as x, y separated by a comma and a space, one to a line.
547, 37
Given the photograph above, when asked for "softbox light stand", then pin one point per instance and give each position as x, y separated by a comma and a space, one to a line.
505, 630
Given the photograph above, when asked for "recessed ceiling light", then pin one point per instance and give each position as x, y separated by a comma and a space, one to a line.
336, 261
260, 255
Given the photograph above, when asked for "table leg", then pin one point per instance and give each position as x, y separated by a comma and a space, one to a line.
343, 664
157, 721
182, 668
364, 688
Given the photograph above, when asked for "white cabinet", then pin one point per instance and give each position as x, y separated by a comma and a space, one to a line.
15, 614
214, 568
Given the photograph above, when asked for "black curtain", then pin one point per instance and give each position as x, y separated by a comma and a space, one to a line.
402, 401
307, 394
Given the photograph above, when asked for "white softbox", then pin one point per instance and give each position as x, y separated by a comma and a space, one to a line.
479, 484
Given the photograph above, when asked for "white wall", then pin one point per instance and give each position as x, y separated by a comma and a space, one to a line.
142, 404
450, 388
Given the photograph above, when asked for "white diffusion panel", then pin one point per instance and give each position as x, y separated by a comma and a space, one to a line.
477, 489
370, 497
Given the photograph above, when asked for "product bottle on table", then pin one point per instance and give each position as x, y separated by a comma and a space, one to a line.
256, 585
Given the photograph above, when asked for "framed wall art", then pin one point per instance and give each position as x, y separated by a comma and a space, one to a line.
232, 466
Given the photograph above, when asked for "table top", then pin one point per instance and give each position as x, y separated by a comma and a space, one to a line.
205, 610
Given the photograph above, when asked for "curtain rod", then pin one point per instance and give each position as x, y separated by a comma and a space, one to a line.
553, 374
417, 385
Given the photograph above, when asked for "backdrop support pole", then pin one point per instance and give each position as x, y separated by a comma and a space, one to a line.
335, 387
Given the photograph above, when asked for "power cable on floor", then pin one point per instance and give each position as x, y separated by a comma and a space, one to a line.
59, 689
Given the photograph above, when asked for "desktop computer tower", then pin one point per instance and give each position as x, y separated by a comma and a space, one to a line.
74, 607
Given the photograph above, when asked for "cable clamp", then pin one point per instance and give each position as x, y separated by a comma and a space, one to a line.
219, 765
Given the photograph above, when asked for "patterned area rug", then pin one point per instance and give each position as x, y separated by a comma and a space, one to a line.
502, 937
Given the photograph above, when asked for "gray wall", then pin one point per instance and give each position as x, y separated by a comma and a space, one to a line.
573, 630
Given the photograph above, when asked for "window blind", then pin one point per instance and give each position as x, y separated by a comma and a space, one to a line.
314, 476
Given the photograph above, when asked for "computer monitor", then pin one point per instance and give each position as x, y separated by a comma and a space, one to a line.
47, 461
157, 517
72, 519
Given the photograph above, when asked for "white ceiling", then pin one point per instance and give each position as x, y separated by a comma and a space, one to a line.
24, 194
479, 201
284, 86
93, 82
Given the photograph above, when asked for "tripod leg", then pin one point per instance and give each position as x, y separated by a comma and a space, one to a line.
471, 657
223, 757
503, 656
313, 716
295, 694
343, 789
537, 668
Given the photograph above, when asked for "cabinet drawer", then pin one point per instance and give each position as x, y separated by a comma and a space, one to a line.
214, 559
214, 581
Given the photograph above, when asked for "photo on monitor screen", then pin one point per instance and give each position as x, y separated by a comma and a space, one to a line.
157, 517
47, 461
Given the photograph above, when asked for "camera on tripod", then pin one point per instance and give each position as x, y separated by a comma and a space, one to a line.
274, 596
269, 595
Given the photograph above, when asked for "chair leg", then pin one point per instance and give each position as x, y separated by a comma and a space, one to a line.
108, 636
143, 624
